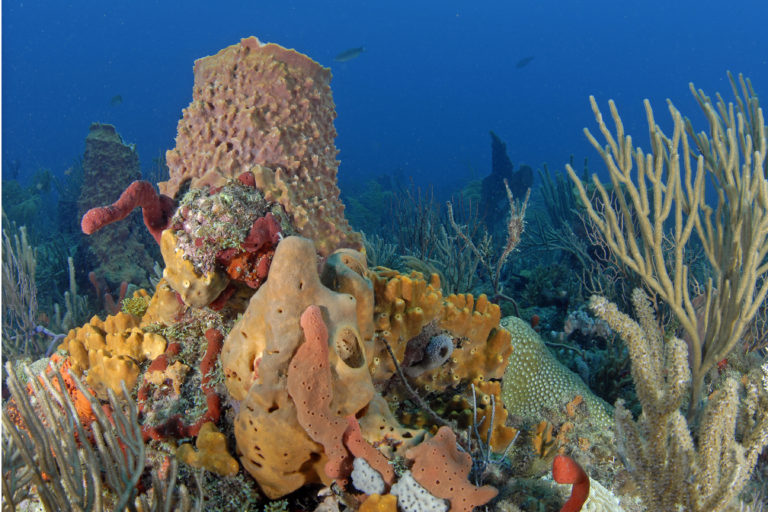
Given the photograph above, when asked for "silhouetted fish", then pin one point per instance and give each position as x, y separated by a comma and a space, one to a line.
116, 100
524, 62
350, 54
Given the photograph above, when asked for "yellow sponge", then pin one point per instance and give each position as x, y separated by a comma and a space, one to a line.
211, 453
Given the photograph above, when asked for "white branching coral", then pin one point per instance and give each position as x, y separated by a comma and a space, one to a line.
670, 469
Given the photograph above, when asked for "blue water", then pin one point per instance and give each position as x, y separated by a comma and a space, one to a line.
436, 76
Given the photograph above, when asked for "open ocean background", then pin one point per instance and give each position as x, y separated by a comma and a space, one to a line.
435, 77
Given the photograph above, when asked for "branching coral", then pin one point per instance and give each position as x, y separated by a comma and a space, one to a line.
19, 294
70, 464
66, 471
670, 465
515, 228
668, 185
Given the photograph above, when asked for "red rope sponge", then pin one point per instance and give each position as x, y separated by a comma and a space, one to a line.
156, 209
565, 470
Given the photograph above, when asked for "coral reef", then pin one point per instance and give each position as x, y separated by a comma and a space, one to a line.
270, 360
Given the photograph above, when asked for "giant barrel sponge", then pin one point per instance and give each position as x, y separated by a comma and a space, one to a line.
268, 110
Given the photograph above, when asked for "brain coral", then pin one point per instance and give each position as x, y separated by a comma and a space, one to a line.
265, 109
535, 380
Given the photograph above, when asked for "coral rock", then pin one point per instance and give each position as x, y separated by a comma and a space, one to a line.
173, 375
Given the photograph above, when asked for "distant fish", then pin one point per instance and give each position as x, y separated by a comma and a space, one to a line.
350, 54
524, 62
116, 100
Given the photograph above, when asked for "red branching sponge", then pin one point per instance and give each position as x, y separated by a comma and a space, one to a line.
565, 470
442, 469
309, 384
156, 209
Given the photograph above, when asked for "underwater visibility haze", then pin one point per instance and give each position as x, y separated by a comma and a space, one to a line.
344, 256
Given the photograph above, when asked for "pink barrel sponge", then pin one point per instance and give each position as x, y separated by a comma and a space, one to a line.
264, 109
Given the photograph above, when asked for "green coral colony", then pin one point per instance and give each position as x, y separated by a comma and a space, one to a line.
271, 364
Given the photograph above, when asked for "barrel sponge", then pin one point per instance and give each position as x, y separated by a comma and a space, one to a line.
535, 380
269, 110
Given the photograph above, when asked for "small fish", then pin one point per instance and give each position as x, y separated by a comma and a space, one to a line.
116, 100
524, 62
350, 54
